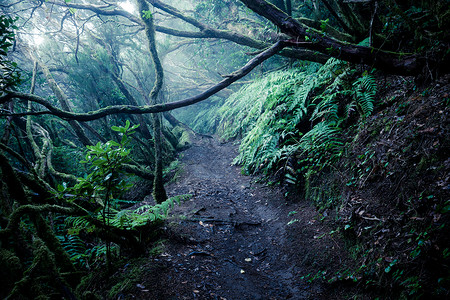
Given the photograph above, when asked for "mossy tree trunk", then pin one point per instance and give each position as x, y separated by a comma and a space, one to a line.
159, 192
17, 193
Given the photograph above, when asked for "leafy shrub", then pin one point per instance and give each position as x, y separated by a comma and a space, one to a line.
98, 194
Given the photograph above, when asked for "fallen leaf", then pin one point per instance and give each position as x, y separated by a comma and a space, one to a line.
428, 130
389, 259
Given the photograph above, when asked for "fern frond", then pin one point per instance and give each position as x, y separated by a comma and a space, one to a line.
144, 214
75, 247
365, 90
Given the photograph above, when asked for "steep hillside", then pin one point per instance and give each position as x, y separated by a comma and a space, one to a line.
371, 152
389, 191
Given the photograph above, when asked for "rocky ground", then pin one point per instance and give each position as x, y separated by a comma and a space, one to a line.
236, 239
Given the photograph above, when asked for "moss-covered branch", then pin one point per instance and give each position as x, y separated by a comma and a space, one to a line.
44, 260
391, 62
205, 32
32, 209
130, 109
64, 102
159, 193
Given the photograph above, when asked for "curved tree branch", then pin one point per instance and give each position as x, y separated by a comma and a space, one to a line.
130, 109
205, 31
390, 62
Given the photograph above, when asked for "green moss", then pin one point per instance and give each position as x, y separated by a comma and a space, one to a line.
184, 138
127, 280
42, 278
177, 131
10, 270
185, 141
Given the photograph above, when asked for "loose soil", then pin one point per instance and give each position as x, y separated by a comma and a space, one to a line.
236, 238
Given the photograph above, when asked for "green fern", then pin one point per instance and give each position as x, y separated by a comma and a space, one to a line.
77, 224
75, 248
365, 90
267, 114
320, 147
145, 214
320, 136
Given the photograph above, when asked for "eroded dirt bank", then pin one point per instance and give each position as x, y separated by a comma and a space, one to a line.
232, 240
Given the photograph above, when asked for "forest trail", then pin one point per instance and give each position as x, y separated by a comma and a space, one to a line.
232, 239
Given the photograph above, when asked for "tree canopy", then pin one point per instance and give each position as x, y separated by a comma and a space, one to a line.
360, 32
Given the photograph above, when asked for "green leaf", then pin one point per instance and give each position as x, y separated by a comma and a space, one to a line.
147, 14
118, 129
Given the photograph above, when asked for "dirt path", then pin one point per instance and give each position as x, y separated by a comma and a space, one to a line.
231, 240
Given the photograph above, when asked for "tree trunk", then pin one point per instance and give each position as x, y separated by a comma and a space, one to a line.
289, 7
159, 192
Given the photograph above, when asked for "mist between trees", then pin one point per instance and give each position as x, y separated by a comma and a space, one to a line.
97, 95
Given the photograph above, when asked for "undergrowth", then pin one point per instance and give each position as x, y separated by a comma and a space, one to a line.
378, 178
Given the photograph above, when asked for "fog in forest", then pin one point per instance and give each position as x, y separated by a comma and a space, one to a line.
224, 149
